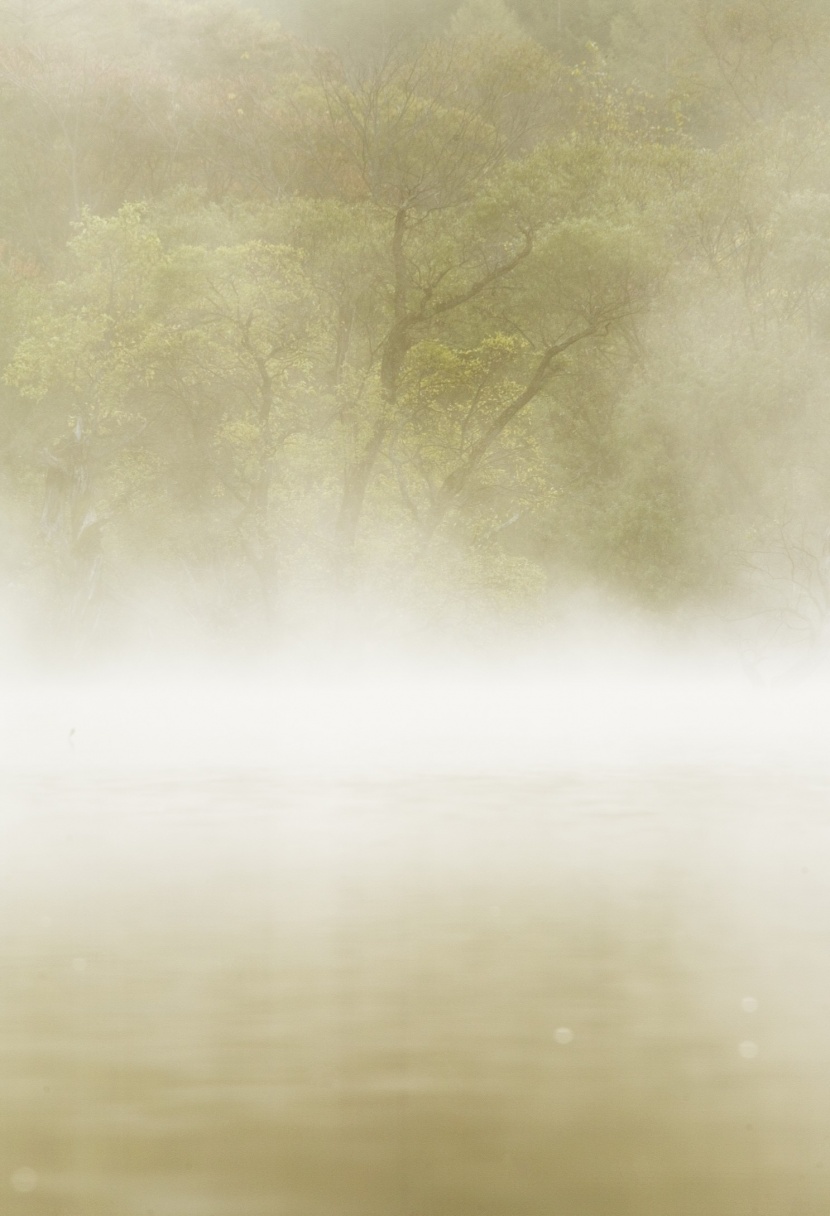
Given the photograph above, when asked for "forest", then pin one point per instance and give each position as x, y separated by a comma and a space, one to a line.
421, 315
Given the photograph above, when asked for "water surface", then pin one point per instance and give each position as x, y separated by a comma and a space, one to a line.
588, 993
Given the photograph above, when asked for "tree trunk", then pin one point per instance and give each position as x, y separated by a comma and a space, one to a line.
354, 492
456, 482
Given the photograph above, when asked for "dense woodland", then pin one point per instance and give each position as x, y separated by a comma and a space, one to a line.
429, 313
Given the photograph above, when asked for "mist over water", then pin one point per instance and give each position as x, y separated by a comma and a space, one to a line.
483, 942
414, 590
606, 709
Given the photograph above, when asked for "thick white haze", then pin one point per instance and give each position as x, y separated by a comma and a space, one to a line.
269, 924
400, 718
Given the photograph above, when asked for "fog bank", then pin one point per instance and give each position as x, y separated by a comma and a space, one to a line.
403, 722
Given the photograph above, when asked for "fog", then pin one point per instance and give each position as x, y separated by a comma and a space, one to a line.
414, 586
393, 939
393, 721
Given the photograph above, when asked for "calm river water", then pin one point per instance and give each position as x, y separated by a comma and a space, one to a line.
242, 994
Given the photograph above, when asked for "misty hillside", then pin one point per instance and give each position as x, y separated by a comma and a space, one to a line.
457, 310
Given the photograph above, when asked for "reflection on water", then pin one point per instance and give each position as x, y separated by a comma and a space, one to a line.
586, 996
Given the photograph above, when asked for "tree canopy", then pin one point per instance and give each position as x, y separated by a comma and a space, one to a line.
450, 308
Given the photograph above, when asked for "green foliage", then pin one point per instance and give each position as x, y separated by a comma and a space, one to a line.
520, 295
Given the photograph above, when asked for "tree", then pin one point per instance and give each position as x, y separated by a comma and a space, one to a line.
475, 231
176, 367
502, 298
